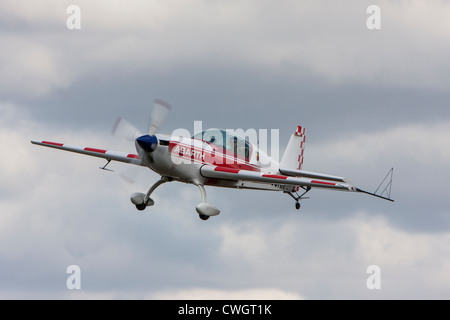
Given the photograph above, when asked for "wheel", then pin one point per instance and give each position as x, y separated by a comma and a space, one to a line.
141, 206
203, 217
297, 205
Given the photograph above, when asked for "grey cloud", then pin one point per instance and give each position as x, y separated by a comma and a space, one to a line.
265, 65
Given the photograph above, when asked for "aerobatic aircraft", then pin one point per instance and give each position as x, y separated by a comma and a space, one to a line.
218, 158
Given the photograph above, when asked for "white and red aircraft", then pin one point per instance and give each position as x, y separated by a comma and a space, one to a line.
219, 158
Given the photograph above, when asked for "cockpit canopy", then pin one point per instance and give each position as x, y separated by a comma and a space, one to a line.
230, 142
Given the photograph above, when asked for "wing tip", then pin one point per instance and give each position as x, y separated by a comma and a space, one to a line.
374, 194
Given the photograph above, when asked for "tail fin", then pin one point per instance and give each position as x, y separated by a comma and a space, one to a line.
293, 155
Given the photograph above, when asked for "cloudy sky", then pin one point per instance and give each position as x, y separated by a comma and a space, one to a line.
369, 99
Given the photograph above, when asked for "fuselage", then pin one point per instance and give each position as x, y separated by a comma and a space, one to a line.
181, 158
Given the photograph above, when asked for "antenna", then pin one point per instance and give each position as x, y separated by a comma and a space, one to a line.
387, 189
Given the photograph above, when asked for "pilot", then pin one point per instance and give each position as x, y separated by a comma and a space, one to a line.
238, 147
233, 144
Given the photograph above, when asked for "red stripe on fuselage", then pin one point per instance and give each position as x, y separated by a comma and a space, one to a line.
215, 157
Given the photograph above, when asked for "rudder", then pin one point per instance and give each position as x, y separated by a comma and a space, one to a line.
293, 155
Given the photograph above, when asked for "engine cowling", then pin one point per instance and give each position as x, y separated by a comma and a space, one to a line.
147, 142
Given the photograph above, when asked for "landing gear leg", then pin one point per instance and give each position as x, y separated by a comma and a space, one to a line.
204, 209
142, 201
298, 197
147, 198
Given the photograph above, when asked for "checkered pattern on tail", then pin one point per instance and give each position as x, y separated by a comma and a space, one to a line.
300, 131
293, 155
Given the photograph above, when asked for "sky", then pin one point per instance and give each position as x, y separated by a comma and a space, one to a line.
369, 99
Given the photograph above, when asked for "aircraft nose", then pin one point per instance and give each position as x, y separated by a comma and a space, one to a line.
147, 142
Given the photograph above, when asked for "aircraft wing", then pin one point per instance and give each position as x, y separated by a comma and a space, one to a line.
309, 174
217, 172
100, 153
334, 183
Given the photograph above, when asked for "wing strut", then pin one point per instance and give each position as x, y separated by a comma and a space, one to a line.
299, 197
